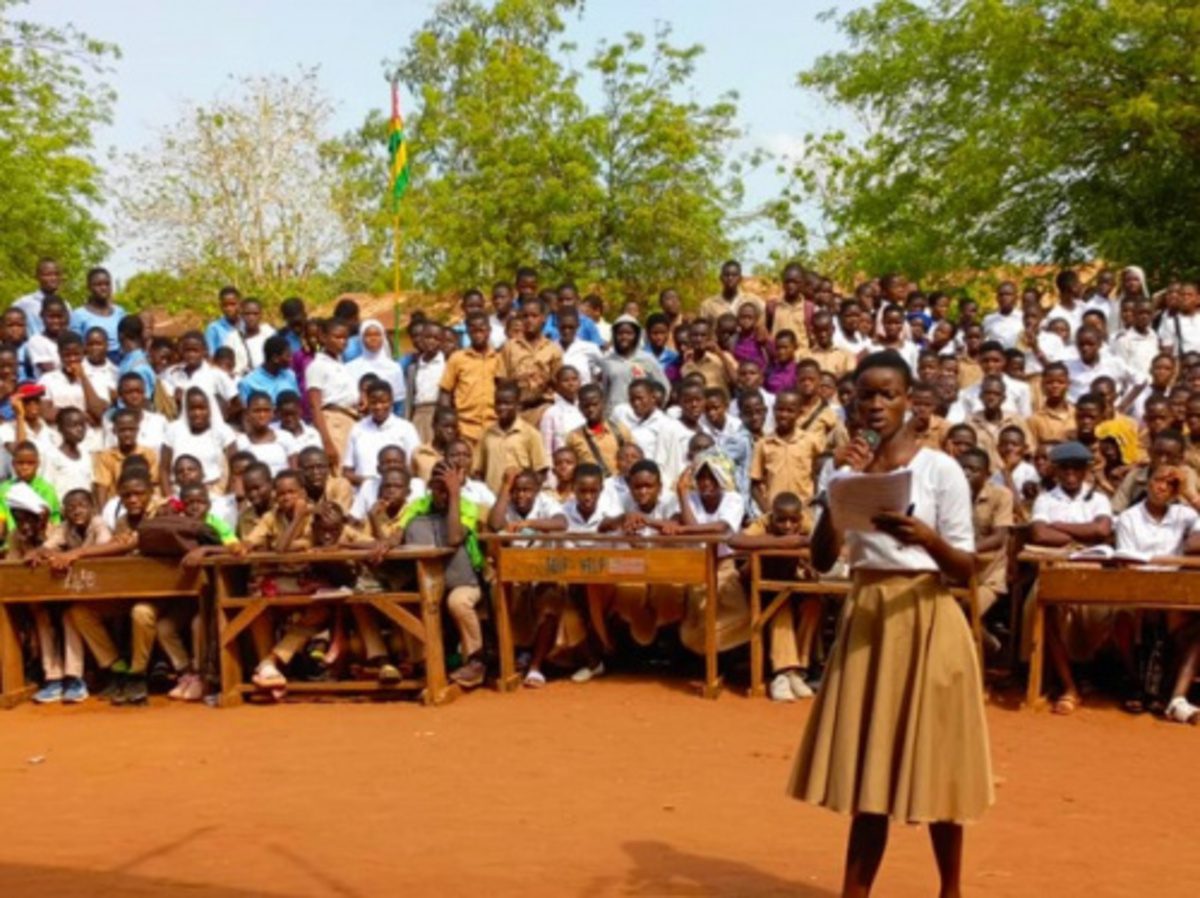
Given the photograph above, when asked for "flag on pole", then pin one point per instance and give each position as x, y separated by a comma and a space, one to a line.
397, 151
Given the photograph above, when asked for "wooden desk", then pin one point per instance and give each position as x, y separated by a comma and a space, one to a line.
122, 579
1061, 581
784, 590
235, 613
607, 559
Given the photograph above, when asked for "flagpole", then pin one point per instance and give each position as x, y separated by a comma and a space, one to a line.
396, 285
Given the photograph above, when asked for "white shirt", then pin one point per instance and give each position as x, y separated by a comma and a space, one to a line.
31, 305
208, 448
1052, 348
544, 506
61, 392
853, 345
1073, 316
584, 356
276, 455
1022, 474
152, 431
907, 350
337, 385
497, 337
309, 436
731, 510
65, 473
1138, 531
1136, 350
248, 351
1107, 365
1188, 330
1111, 309
665, 508
606, 507
477, 491
42, 351
658, 437
427, 376
940, 497
1057, 507
210, 379
1017, 398
367, 438
368, 493
559, 420
103, 378
1004, 329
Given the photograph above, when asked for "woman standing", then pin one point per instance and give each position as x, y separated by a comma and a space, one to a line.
377, 359
898, 729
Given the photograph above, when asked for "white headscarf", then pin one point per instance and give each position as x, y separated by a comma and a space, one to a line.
380, 363
21, 497
1136, 269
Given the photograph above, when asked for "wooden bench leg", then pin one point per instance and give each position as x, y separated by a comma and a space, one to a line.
13, 690
431, 584
756, 637
509, 678
230, 654
1033, 696
712, 677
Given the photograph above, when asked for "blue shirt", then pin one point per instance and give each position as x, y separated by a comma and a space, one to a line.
215, 334
294, 341
260, 381
353, 349
587, 329
84, 319
139, 364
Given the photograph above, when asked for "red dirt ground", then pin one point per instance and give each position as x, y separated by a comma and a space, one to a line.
622, 787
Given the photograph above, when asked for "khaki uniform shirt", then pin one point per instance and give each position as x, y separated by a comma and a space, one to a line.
785, 464
835, 360
1051, 425
518, 447
532, 366
470, 379
106, 466
711, 368
789, 317
608, 440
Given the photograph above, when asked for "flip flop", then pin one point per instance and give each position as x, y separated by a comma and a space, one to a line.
1066, 704
535, 679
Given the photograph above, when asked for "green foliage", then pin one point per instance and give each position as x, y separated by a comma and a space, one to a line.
1008, 130
51, 100
510, 166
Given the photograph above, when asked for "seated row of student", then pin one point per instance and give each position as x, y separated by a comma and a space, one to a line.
1161, 523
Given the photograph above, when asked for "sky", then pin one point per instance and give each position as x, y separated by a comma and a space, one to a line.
174, 52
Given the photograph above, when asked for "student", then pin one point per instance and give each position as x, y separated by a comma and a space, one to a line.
970, 367
1166, 451
49, 280
651, 428
332, 392
273, 447
230, 322
377, 359
731, 298
709, 505
824, 351
928, 428
1054, 421
390, 458
381, 427
274, 376
1139, 345
445, 430
926, 758
289, 410
30, 541
127, 678
468, 383
784, 461
731, 438
196, 434
318, 481
892, 337
99, 311
131, 395
247, 341
98, 368
531, 360
1180, 333
26, 460
598, 440
793, 311
68, 466
422, 379
627, 362
461, 457
1017, 397
563, 463
69, 386
815, 416
752, 341
563, 416
42, 346
1005, 325
780, 370
786, 526
706, 357
1071, 514
848, 334
992, 518
537, 609
1069, 308
194, 371
991, 419
510, 442
1089, 364
579, 350
658, 336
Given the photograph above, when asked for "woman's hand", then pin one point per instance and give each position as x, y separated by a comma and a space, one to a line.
909, 530
857, 454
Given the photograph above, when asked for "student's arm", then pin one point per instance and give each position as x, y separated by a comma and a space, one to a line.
322, 426
166, 455
993, 543
758, 492
118, 545
555, 524
94, 404
294, 529
1097, 531
456, 533
613, 524
826, 543
747, 542
496, 517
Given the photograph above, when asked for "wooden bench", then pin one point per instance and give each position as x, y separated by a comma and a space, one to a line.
785, 590
235, 613
1062, 581
608, 559
129, 579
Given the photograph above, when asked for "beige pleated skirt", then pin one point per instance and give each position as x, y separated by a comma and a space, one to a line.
898, 726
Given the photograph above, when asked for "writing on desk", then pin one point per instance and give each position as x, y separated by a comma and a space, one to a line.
80, 580
592, 566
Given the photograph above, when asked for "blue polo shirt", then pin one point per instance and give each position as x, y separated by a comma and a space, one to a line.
84, 319
260, 381
587, 329
215, 334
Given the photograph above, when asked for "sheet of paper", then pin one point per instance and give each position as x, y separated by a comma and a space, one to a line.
854, 499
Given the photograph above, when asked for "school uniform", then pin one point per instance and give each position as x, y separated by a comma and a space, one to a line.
1018, 400
970, 372
307, 438
733, 609
533, 365
339, 397
1180, 333
784, 464
207, 447
898, 728
276, 454
710, 367
599, 445
658, 437
1051, 425
992, 510
209, 379
794, 317
470, 379
423, 379
1132, 488
717, 305
585, 357
1082, 375
559, 420
836, 360
367, 494
518, 446
1137, 350
934, 435
367, 438
66, 473
1004, 329
987, 433
820, 420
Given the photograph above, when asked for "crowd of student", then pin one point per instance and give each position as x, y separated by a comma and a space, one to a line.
1075, 416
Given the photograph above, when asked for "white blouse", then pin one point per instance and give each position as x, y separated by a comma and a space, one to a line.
941, 498
336, 383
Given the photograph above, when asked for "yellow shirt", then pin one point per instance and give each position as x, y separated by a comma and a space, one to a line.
785, 464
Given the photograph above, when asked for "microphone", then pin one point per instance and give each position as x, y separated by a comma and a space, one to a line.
871, 438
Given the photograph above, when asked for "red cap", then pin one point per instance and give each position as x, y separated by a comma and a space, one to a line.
30, 391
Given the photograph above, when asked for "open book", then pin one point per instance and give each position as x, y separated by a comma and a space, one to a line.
1108, 553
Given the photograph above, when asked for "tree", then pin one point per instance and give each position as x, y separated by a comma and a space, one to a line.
1009, 130
511, 166
52, 98
239, 191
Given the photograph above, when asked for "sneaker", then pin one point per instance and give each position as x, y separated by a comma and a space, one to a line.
50, 693
189, 689
781, 690
470, 674
267, 676
113, 687
585, 673
136, 691
75, 691
117, 689
800, 689
1180, 711
535, 679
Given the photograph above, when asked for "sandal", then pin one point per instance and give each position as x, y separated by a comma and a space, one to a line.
267, 676
535, 679
1066, 705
